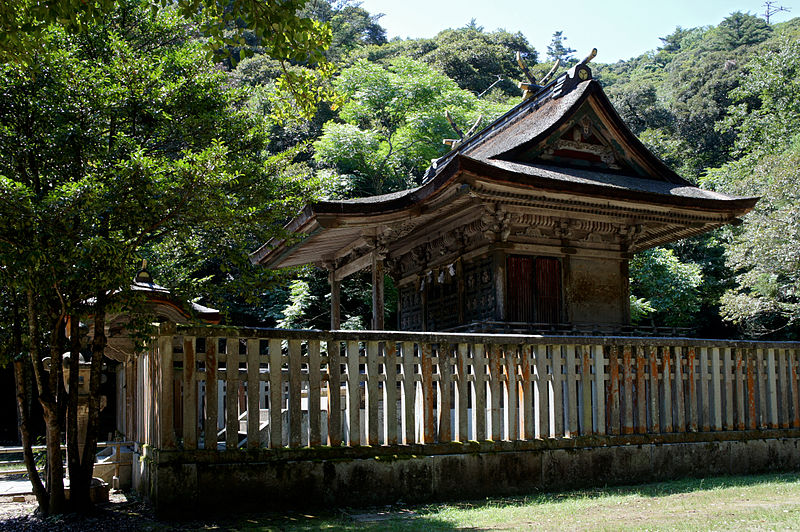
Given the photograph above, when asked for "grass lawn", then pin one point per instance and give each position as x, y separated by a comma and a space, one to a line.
763, 502
720, 503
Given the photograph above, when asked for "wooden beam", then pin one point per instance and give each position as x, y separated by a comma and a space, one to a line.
355, 244
352, 267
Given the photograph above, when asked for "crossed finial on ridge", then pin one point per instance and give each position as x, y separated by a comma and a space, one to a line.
532, 86
453, 143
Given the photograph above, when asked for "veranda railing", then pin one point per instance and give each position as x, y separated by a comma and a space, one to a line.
216, 388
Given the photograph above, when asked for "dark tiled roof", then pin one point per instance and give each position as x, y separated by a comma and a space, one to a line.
613, 181
514, 131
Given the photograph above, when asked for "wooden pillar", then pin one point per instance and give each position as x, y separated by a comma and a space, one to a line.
566, 288
423, 298
336, 307
625, 304
462, 297
377, 292
499, 266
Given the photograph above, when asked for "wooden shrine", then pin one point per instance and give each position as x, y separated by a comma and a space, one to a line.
527, 225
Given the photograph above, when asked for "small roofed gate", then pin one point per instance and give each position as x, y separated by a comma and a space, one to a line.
534, 289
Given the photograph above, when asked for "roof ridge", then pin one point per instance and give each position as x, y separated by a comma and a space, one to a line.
563, 84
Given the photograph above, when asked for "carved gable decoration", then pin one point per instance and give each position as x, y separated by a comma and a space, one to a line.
583, 141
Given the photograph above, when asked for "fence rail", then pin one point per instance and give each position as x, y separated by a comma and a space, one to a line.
301, 388
22, 470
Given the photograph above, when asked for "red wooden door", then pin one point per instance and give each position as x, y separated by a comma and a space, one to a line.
533, 289
521, 297
548, 290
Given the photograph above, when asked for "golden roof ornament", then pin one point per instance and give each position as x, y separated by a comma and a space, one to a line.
533, 87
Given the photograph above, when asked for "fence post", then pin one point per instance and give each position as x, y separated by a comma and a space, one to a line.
600, 388
771, 391
691, 376
739, 362
445, 387
253, 412
586, 383
166, 386
528, 430
463, 393
572, 395
479, 407
390, 393
716, 388
232, 393
353, 394
189, 394
680, 400
212, 415
627, 378
613, 392
707, 407
641, 396
372, 399
275, 393
542, 409
409, 393
295, 386
496, 389
428, 421
314, 385
655, 403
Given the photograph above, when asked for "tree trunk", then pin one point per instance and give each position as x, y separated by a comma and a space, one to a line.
78, 486
98, 349
49, 386
55, 464
54, 417
24, 432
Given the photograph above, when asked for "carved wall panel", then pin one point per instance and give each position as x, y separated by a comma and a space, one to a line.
479, 290
442, 312
410, 308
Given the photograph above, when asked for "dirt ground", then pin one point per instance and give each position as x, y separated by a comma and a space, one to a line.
123, 512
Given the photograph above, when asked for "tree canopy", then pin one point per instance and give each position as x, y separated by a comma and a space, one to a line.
392, 124
120, 139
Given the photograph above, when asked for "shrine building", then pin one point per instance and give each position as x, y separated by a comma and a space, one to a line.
526, 226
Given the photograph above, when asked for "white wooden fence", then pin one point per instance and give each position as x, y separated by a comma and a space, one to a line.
301, 388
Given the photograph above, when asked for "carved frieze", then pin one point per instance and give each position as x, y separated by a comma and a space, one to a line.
536, 226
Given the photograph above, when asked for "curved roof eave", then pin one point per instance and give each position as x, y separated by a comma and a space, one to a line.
386, 204
597, 190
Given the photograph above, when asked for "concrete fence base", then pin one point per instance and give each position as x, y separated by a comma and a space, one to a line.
179, 482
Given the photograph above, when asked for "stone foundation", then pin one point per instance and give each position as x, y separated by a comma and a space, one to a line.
180, 482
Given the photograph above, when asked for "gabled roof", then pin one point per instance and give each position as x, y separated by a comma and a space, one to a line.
566, 139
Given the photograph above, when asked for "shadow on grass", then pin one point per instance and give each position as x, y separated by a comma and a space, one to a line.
135, 514
429, 516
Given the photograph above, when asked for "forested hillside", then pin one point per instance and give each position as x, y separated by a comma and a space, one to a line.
720, 104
